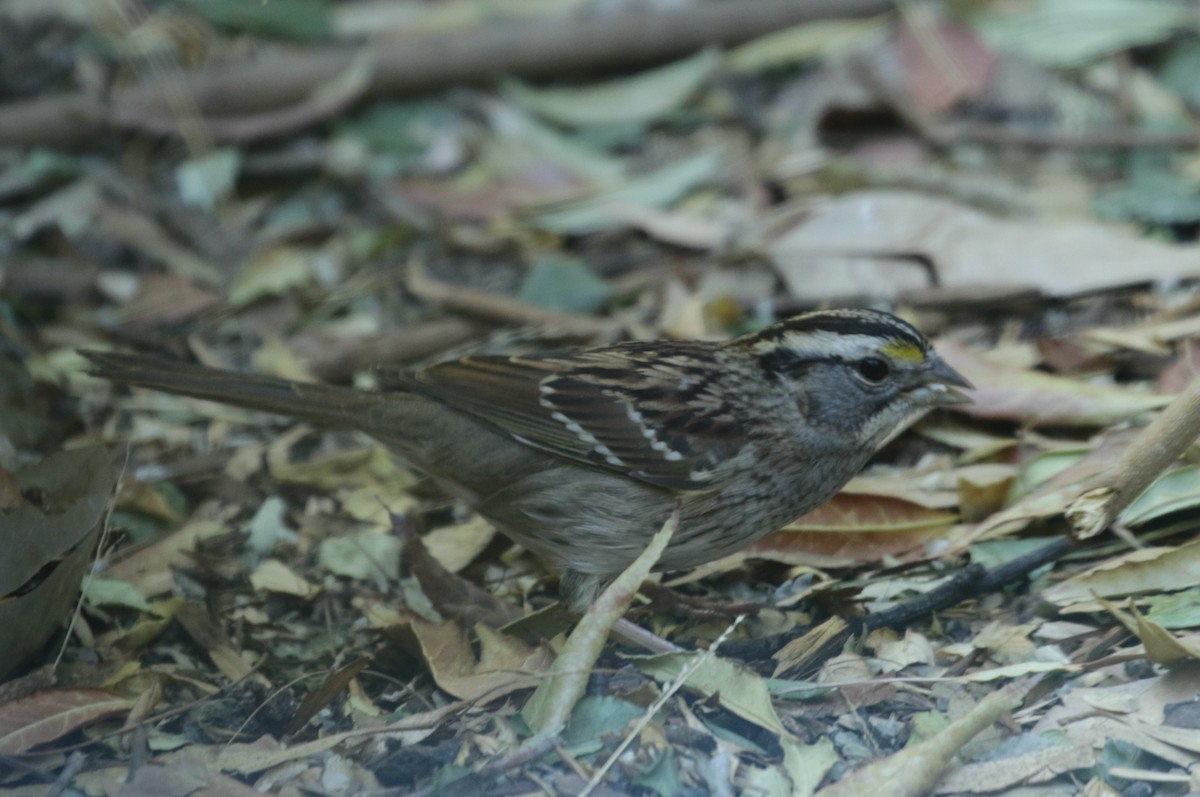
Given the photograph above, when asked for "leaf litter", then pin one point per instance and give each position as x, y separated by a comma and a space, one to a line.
276, 608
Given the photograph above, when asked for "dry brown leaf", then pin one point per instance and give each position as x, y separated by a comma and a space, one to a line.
457, 545
871, 237
47, 548
196, 620
273, 575
928, 46
145, 499
164, 299
796, 655
505, 664
893, 653
1008, 643
450, 595
551, 704
181, 773
1159, 569
46, 716
149, 569
1033, 397
983, 489
1162, 647
852, 529
1038, 766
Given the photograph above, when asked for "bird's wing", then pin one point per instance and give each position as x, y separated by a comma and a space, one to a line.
650, 411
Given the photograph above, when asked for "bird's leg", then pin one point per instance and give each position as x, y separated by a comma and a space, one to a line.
676, 603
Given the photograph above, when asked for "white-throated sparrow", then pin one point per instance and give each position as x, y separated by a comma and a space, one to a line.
582, 454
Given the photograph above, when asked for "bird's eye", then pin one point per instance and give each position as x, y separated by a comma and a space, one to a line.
873, 369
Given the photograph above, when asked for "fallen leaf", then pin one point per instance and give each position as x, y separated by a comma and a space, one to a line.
854, 528
1071, 33
1145, 570
634, 100
271, 272
149, 569
1162, 647
656, 189
505, 663
876, 237
735, 687
274, 576
1038, 398
50, 715
48, 547
456, 546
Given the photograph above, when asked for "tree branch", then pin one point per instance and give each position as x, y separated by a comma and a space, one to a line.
552, 48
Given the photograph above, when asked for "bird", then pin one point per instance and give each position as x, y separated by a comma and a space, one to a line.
582, 454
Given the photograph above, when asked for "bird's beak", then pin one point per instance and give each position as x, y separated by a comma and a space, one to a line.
937, 388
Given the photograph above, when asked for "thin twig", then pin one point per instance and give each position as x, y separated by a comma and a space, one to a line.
91, 573
686, 672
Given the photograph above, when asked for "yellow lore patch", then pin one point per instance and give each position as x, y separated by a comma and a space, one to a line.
904, 350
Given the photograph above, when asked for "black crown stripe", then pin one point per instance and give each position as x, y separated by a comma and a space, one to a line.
885, 328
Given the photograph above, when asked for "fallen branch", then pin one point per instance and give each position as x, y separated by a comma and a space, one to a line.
405, 66
973, 581
1154, 450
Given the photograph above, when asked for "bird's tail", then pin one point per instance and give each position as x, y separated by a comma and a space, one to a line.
324, 404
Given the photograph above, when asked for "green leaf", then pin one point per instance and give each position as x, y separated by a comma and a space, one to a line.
304, 20
655, 190
662, 775
738, 689
1175, 611
807, 41
991, 553
1160, 199
1172, 492
595, 716
1072, 33
639, 100
271, 273
406, 129
1119, 754
565, 285
1180, 69
783, 689
1042, 468
366, 554
577, 156
807, 764
43, 163
102, 591
267, 527
206, 180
